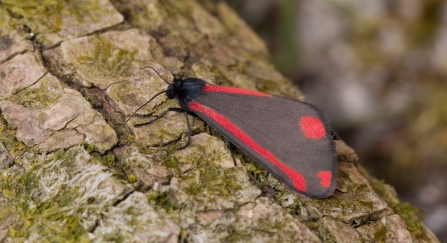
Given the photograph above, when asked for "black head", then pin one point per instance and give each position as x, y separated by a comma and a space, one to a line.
185, 90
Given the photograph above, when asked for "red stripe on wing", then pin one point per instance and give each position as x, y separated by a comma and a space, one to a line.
232, 90
298, 180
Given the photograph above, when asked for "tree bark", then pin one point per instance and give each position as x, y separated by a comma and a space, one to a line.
73, 169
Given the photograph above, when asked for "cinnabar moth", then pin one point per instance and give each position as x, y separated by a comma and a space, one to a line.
291, 139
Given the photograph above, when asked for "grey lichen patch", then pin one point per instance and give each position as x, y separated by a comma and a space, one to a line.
134, 218
54, 21
35, 125
57, 197
388, 229
19, 72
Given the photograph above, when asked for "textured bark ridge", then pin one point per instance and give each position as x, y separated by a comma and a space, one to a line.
72, 170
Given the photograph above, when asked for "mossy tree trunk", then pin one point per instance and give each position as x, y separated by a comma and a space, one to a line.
73, 170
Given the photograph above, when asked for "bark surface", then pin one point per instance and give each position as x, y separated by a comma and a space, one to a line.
72, 169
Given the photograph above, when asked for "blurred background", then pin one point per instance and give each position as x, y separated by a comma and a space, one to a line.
379, 70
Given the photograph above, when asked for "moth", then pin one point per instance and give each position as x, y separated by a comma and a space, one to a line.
289, 138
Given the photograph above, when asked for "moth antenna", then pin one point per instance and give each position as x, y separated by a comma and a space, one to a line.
147, 102
156, 72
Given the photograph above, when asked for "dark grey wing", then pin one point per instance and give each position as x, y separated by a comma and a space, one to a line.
291, 139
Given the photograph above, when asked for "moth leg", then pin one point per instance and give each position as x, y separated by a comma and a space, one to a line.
228, 144
160, 116
189, 131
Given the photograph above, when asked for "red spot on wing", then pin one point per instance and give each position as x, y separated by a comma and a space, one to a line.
232, 90
326, 177
298, 180
312, 127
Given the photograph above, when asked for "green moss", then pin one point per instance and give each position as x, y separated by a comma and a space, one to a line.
411, 215
108, 159
312, 225
258, 172
153, 195
218, 180
89, 147
380, 234
171, 162
47, 92
236, 235
426, 27
9, 140
47, 218
267, 86
164, 200
131, 178
95, 101
123, 133
106, 60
